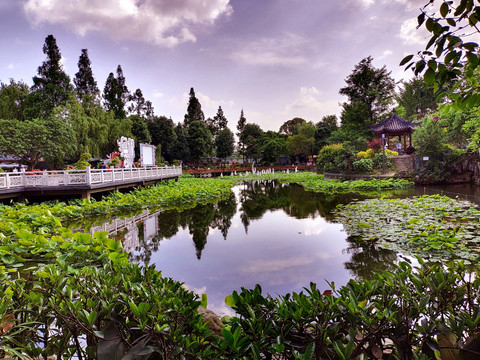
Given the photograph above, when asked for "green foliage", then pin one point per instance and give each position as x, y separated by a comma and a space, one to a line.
116, 94
162, 131
417, 98
449, 55
363, 166
362, 320
251, 138
289, 127
52, 87
31, 140
199, 140
224, 143
194, 110
316, 182
429, 138
336, 158
83, 162
13, 99
371, 88
85, 84
435, 227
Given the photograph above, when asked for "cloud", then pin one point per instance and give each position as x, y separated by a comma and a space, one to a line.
165, 23
411, 35
309, 106
290, 49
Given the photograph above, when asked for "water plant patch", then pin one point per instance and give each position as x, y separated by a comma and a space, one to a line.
432, 226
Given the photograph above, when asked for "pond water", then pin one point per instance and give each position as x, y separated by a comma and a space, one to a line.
275, 235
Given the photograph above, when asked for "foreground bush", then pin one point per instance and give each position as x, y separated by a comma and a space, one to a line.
121, 311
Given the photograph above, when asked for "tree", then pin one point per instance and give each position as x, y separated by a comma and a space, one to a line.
449, 53
180, 149
324, 129
116, 128
273, 147
289, 127
355, 121
300, 146
52, 86
139, 106
371, 87
13, 100
116, 94
88, 125
140, 129
218, 122
429, 138
224, 143
31, 140
194, 110
162, 131
199, 140
85, 84
417, 98
251, 137
240, 125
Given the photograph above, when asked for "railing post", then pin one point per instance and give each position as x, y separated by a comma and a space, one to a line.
123, 174
7, 180
44, 178
89, 175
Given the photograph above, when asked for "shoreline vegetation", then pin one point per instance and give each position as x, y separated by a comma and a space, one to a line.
74, 295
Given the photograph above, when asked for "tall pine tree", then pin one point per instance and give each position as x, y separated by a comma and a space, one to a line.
218, 122
194, 110
85, 83
52, 86
116, 94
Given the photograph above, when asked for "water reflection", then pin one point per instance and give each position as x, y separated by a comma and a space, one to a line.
276, 235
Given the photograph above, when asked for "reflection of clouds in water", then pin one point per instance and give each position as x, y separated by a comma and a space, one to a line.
313, 226
266, 266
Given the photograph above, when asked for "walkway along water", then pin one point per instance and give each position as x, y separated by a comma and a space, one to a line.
84, 182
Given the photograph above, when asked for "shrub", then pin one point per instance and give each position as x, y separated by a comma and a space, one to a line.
336, 158
375, 145
82, 163
389, 152
363, 166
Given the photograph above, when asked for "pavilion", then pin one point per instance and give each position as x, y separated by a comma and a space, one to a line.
395, 129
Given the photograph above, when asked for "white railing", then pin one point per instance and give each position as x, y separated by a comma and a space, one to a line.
66, 178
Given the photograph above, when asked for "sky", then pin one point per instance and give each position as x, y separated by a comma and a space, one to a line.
275, 59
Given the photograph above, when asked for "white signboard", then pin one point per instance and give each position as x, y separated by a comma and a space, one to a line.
147, 154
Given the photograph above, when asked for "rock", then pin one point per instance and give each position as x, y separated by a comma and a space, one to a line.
212, 320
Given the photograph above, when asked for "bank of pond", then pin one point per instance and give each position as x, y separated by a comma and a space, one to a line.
296, 267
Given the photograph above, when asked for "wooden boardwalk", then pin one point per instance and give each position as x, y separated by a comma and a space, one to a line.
84, 182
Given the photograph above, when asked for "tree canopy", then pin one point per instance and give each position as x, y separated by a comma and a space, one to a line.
51, 87
373, 88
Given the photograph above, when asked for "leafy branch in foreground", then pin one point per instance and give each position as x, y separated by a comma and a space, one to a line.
449, 55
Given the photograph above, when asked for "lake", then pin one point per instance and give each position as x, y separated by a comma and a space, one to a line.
275, 235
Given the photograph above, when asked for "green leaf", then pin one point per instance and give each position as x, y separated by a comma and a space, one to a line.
204, 301
230, 301
444, 9
429, 76
406, 59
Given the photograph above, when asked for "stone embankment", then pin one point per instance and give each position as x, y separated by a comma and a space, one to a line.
467, 169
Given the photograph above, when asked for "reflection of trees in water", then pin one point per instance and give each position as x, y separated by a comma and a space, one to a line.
198, 220
368, 259
258, 197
